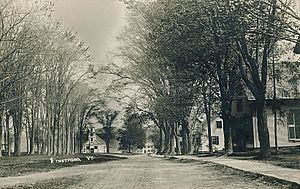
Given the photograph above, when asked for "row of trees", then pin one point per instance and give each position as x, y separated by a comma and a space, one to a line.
42, 82
196, 56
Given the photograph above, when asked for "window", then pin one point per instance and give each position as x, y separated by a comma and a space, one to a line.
290, 118
92, 134
95, 147
293, 121
215, 140
92, 139
219, 124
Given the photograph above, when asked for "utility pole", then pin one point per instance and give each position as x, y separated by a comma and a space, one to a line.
209, 119
274, 101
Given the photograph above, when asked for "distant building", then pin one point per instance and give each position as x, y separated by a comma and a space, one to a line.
217, 135
149, 148
93, 143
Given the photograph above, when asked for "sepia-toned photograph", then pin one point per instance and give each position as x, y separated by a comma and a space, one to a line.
149, 94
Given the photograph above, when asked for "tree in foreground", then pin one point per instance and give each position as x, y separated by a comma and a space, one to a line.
170, 44
255, 27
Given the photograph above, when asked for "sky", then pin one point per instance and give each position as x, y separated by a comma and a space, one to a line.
97, 22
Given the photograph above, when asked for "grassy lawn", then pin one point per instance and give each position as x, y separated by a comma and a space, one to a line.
247, 176
287, 160
59, 183
15, 166
287, 157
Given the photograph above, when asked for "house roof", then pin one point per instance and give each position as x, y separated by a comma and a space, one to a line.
280, 102
284, 101
97, 141
212, 119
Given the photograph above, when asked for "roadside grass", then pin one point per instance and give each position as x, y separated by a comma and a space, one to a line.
288, 157
283, 160
20, 165
288, 161
58, 183
270, 181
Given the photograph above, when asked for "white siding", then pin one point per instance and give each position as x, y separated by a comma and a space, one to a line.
282, 131
214, 132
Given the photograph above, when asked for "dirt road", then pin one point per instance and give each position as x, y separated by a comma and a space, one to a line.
143, 172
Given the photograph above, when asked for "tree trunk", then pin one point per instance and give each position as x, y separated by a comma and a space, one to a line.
7, 132
80, 139
107, 147
67, 143
31, 133
189, 139
48, 120
54, 133
227, 129
43, 139
109, 128
75, 140
1, 130
27, 137
63, 132
172, 139
82, 114
58, 133
263, 132
37, 119
72, 131
160, 148
167, 139
17, 117
207, 110
185, 145
67, 131
44, 130
129, 148
177, 142
4, 134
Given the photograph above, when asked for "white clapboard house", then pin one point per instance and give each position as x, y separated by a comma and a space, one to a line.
93, 143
